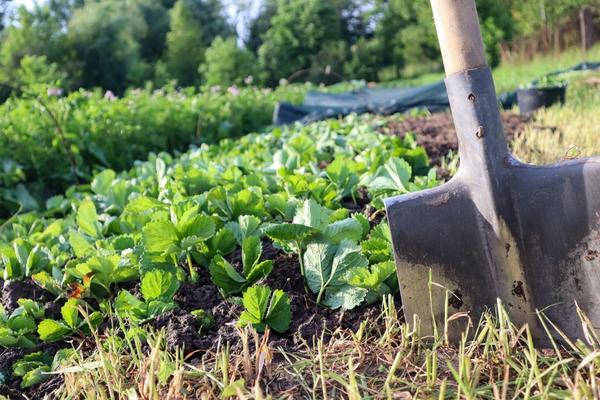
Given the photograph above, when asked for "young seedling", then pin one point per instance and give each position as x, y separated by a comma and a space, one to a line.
262, 310
230, 281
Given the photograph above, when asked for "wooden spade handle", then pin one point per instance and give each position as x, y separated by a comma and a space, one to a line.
459, 34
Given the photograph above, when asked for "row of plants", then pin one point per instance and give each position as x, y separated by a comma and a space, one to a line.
122, 244
49, 141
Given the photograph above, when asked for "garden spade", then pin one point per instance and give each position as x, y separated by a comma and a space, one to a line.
500, 229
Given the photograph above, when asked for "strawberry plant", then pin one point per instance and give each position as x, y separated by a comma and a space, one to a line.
178, 236
263, 307
50, 330
17, 330
157, 289
229, 280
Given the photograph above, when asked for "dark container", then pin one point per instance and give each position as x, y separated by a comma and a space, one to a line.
534, 98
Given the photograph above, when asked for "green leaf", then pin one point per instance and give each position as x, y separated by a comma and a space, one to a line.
290, 232
224, 275
251, 251
255, 301
159, 284
51, 330
393, 176
279, 314
223, 242
102, 182
142, 204
201, 226
87, 219
21, 324
234, 389
46, 281
125, 302
346, 229
310, 213
159, 236
70, 313
79, 244
346, 297
35, 376
317, 265
259, 271
246, 226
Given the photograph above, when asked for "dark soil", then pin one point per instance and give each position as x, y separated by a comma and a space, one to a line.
437, 134
309, 319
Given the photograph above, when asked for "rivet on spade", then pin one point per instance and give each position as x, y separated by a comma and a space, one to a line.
479, 132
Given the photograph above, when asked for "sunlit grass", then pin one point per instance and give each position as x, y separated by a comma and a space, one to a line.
564, 132
385, 358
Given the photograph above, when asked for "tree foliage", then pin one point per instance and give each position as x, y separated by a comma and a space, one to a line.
227, 64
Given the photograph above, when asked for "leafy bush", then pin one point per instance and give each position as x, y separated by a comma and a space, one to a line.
50, 142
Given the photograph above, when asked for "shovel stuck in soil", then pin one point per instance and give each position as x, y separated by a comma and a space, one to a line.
529, 235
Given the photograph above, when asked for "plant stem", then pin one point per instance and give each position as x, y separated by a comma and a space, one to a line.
193, 273
300, 259
61, 136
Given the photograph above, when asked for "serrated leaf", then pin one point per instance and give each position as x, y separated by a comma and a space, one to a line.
200, 226
259, 271
159, 236
51, 330
251, 251
158, 284
102, 182
346, 229
35, 376
279, 314
142, 204
87, 219
246, 226
21, 324
70, 313
224, 275
317, 265
310, 213
79, 244
290, 232
223, 242
255, 301
345, 297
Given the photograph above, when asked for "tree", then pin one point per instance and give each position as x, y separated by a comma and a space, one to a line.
37, 32
105, 36
194, 25
260, 25
299, 30
365, 60
226, 64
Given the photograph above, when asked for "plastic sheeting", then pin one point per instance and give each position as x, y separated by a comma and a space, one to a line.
433, 97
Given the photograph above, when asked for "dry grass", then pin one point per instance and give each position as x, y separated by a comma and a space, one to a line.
385, 358
566, 132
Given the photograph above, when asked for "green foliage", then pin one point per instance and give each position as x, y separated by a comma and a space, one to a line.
226, 64
146, 225
226, 277
17, 330
194, 25
261, 309
114, 132
325, 265
34, 368
299, 30
50, 330
157, 288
